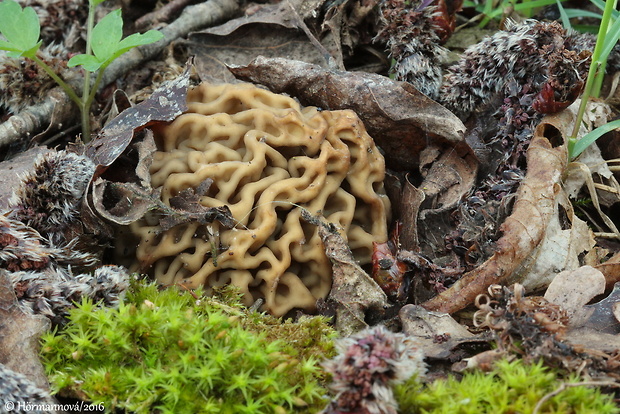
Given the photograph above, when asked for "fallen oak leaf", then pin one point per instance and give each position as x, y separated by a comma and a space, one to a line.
401, 120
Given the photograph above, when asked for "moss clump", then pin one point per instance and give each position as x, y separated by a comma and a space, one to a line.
166, 351
513, 387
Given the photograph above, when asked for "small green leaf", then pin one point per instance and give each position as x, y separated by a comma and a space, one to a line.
95, 3
107, 35
90, 62
20, 28
8, 46
137, 39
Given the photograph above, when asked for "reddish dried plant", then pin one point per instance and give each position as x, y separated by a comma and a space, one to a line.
369, 363
387, 270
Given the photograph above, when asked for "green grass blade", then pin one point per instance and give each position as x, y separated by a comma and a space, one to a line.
613, 34
601, 5
565, 19
533, 4
573, 13
589, 138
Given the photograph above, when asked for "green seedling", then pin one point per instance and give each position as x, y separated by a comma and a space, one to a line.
104, 43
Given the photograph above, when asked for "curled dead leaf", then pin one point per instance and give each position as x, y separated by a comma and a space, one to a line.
165, 104
274, 30
448, 178
611, 269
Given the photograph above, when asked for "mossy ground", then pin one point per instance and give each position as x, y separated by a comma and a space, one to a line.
512, 387
172, 351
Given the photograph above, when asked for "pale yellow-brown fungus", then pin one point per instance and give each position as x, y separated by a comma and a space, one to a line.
268, 158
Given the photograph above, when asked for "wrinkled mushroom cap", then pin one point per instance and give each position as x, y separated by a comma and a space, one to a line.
268, 159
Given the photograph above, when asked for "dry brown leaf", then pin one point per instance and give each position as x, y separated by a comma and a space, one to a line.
597, 326
611, 269
165, 104
274, 30
401, 120
449, 178
214, 52
594, 327
19, 335
573, 289
594, 342
410, 202
437, 333
123, 194
186, 207
566, 238
525, 228
353, 292
340, 25
601, 314
132, 201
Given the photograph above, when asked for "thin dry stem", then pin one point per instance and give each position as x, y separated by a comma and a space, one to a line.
565, 386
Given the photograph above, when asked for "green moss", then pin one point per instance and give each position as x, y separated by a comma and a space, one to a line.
513, 387
166, 351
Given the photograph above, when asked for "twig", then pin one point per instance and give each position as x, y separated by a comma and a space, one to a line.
163, 14
569, 385
35, 118
23, 125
